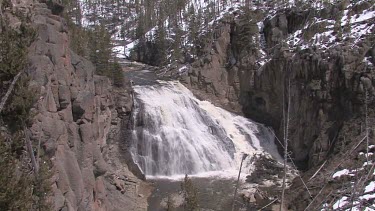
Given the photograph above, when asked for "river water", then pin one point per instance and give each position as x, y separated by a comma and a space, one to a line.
174, 134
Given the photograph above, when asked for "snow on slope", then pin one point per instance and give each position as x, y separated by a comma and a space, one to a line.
360, 25
120, 19
199, 5
361, 181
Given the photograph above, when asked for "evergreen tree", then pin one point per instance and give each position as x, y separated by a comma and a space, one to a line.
140, 35
180, 6
193, 28
13, 59
14, 189
117, 74
13, 48
337, 27
161, 39
100, 49
347, 27
77, 34
177, 42
149, 19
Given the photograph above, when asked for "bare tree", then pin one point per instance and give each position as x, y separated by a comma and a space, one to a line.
30, 150
366, 125
286, 128
10, 89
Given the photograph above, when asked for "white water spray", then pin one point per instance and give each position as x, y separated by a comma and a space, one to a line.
175, 134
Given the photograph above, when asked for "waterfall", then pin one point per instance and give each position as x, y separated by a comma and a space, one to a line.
174, 133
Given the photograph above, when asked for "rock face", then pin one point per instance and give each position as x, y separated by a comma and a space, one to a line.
249, 69
264, 66
76, 112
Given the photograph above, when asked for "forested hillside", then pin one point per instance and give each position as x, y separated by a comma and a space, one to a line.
158, 32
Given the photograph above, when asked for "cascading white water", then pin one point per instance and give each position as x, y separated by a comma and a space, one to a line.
174, 133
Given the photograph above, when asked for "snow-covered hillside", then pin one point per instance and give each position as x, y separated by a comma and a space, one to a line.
122, 20
356, 22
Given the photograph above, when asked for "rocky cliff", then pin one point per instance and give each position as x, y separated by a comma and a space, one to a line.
305, 61
79, 116
250, 62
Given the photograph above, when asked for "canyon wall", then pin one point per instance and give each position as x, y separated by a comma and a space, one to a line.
78, 121
249, 68
297, 62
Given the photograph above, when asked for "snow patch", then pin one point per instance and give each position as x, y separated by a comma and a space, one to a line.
340, 203
341, 173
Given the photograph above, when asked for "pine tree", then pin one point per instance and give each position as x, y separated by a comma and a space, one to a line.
161, 39
13, 48
117, 74
77, 34
177, 42
180, 4
193, 28
100, 49
149, 13
140, 34
347, 27
337, 27
14, 193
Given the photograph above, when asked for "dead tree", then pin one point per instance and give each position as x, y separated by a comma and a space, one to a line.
10, 89
286, 128
30, 150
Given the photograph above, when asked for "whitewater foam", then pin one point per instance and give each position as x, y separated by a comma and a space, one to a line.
175, 134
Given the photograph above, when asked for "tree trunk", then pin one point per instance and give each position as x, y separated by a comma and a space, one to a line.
10, 89
30, 150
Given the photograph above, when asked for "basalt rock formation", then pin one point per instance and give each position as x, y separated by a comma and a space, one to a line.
79, 116
250, 65
326, 86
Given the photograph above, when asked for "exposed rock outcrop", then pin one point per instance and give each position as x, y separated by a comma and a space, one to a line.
327, 86
77, 123
254, 63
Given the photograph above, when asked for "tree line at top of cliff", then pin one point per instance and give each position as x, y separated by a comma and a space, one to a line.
93, 43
